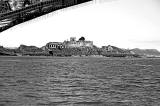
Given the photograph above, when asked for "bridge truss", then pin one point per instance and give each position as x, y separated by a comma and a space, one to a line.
13, 18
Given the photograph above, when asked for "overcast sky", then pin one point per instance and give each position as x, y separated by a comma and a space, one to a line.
122, 23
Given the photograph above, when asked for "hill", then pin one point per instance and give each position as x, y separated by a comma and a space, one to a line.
146, 52
30, 50
6, 52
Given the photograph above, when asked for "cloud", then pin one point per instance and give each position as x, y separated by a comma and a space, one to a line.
153, 42
146, 44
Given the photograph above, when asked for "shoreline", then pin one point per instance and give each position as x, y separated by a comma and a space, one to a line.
91, 56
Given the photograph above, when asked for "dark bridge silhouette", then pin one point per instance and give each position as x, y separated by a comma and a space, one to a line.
33, 11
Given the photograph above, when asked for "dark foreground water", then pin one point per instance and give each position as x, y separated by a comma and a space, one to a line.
75, 81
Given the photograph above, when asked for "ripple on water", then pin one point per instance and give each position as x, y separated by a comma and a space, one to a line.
79, 82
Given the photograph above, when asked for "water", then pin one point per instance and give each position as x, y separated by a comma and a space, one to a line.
79, 81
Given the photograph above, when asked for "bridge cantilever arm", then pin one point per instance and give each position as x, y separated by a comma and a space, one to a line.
19, 12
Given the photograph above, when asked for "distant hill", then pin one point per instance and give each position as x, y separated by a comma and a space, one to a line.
146, 52
22, 50
30, 50
6, 51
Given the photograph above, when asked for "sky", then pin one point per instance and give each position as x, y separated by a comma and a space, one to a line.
123, 23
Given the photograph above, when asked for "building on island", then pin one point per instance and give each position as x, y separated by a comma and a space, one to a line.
73, 43
113, 49
55, 45
109, 48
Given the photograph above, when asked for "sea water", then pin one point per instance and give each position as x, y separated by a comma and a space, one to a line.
79, 81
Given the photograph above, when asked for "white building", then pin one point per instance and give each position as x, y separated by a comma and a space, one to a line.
77, 44
55, 45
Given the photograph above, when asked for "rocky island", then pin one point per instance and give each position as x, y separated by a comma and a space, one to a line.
75, 47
